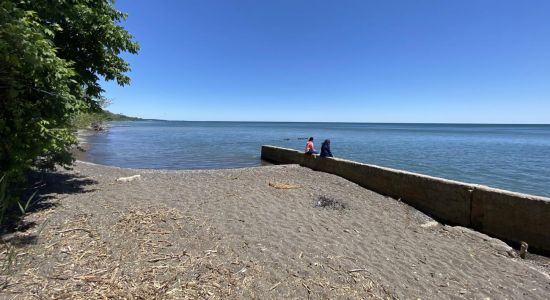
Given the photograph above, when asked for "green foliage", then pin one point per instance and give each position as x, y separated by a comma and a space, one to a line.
23, 208
53, 54
87, 34
85, 120
36, 91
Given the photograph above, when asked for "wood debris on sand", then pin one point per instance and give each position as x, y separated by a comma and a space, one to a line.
181, 235
284, 186
141, 257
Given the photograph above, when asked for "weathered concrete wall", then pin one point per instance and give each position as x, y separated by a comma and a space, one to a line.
281, 155
510, 216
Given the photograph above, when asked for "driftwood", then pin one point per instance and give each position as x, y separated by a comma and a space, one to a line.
523, 250
128, 179
284, 186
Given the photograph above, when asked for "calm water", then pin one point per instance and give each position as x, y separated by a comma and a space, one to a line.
513, 157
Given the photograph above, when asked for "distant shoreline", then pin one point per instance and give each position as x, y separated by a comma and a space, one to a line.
338, 122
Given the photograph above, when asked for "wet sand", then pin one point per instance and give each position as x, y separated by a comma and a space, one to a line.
253, 233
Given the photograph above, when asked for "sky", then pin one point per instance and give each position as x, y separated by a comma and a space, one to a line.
422, 61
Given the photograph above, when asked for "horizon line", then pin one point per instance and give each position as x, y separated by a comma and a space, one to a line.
346, 122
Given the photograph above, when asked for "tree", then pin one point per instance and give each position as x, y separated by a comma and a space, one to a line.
88, 34
52, 56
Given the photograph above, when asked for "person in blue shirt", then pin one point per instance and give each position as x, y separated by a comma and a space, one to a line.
325, 149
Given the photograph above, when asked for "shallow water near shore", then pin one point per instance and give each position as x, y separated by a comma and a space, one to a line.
512, 157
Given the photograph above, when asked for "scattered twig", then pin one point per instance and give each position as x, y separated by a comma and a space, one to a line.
75, 229
284, 186
307, 287
157, 259
275, 286
357, 270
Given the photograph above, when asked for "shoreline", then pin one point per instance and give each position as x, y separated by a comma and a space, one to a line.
129, 147
254, 232
82, 138
81, 156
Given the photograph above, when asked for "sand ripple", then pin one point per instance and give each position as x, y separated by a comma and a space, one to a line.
230, 234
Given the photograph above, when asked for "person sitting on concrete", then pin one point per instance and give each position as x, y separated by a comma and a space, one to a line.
310, 149
325, 149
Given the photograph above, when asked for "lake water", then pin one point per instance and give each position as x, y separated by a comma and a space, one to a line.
512, 157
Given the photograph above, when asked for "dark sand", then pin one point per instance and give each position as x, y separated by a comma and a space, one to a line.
225, 234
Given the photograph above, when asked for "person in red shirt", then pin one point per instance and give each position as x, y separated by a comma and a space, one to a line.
310, 149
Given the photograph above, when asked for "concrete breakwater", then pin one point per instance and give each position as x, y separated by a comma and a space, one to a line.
510, 216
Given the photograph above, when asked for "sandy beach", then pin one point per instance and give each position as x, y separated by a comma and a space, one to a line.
274, 150
272, 232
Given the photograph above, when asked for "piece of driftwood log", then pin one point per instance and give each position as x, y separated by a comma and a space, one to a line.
357, 270
284, 186
128, 179
523, 249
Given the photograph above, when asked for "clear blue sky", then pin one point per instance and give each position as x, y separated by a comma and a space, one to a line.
468, 61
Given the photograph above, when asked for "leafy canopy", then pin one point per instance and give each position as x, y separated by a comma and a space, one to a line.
53, 54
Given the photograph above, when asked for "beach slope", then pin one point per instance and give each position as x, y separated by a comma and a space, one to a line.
283, 232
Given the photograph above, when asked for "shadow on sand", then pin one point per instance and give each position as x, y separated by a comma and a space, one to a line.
47, 186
